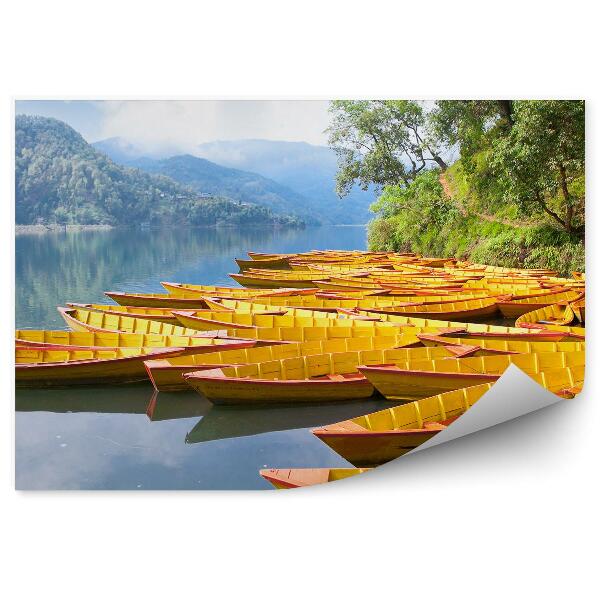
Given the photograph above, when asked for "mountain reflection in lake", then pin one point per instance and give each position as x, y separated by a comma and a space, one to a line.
130, 437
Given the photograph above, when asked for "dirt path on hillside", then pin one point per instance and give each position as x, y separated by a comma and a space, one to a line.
465, 213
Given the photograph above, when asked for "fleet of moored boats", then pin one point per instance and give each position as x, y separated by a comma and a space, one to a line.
329, 326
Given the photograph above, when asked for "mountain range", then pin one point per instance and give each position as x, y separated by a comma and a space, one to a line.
310, 170
206, 177
288, 177
60, 178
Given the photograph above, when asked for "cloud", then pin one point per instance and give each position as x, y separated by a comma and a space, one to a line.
180, 125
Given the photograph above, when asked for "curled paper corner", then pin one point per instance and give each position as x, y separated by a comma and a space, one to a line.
513, 395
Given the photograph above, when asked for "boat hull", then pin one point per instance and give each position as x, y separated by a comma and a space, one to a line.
404, 385
371, 448
236, 391
157, 301
513, 310
166, 377
85, 372
459, 316
249, 281
263, 263
286, 479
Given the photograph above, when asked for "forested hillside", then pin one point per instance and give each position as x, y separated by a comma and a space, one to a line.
515, 197
209, 178
305, 168
60, 178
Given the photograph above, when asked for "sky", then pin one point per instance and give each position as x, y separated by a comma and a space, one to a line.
156, 125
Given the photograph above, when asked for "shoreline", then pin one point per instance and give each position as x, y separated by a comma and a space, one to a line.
52, 228
20, 229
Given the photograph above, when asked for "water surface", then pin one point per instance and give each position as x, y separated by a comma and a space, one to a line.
129, 437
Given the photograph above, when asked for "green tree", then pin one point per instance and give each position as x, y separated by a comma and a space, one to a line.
61, 216
540, 161
380, 142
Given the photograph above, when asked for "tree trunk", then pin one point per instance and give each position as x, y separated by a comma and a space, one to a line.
506, 110
569, 219
438, 159
567, 198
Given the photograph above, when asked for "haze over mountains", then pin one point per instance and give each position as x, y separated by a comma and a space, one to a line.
288, 177
61, 179
206, 177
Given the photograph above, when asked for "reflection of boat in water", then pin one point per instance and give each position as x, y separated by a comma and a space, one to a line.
221, 422
130, 400
165, 406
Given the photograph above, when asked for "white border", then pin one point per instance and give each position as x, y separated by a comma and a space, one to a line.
506, 513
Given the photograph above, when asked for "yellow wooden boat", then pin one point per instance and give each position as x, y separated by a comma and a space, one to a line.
513, 346
567, 330
307, 330
513, 307
324, 284
113, 340
182, 301
490, 270
408, 288
294, 280
373, 439
164, 315
461, 310
327, 377
79, 319
285, 479
419, 379
296, 274
187, 289
45, 367
278, 262
506, 286
338, 267
554, 314
247, 385
166, 374
312, 302
358, 283
578, 308
265, 256
228, 321
479, 330
467, 329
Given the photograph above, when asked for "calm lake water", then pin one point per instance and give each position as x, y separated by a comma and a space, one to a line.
128, 437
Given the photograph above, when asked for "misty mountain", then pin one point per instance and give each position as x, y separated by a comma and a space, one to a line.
309, 170
305, 170
207, 177
125, 153
60, 178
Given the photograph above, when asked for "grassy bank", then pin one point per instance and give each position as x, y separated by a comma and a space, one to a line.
450, 217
